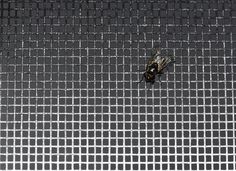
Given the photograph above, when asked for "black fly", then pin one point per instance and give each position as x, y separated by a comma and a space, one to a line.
155, 66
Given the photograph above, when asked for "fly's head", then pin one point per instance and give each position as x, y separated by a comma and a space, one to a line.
149, 75
149, 78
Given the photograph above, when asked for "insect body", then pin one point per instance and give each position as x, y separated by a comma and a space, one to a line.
155, 66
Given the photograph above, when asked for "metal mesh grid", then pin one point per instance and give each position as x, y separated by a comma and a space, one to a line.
69, 93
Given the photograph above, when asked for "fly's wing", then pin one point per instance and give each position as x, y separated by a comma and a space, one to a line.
157, 62
156, 52
152, 61
163, 62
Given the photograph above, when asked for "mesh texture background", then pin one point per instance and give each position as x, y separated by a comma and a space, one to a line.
69, 93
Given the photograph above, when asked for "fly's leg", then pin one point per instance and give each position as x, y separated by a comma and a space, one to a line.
167, 67
150, 85
159, 77
171, 62
141, 79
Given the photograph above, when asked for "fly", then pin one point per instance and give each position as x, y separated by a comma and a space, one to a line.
155, 67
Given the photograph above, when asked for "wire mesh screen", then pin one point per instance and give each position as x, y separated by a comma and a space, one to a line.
69, 93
